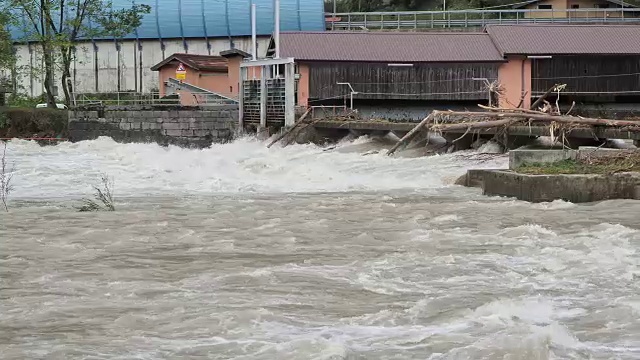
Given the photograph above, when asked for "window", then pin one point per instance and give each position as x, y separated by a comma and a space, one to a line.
575, 6
602, 6
545, 7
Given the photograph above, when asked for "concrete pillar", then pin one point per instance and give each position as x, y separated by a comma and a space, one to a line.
262, 132
290, 93
463, 143
263, 94
514, 142
242, 78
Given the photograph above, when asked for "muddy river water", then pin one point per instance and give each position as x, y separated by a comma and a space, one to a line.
243, 252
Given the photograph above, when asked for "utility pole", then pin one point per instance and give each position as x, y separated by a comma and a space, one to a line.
254, 41
276, 36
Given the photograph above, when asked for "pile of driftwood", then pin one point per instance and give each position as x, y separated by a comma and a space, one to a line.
496, 117
287, 136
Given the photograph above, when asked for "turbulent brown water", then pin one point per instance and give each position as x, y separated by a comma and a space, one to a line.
239, 252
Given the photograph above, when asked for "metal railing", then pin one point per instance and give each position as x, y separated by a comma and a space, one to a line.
151, 98
476, 18
121, 98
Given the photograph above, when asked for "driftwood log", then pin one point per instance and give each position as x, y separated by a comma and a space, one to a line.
473, 125
541, 98
285, 133
413, 132
547, 117
503, 117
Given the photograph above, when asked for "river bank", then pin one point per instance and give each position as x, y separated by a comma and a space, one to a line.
17, 122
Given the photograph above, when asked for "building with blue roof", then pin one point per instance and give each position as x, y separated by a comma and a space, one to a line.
204, 27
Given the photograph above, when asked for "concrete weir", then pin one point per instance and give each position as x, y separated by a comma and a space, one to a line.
576, 188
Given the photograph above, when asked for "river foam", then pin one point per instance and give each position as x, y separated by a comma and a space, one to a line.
246, 165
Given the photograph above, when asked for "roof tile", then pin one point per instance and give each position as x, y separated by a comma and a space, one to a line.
197, 62
566, 39
398, 47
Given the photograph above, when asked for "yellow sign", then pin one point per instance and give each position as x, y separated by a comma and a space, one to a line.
181, 72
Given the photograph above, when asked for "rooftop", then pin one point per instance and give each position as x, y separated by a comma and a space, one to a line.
566, 39
196, 62
389, 47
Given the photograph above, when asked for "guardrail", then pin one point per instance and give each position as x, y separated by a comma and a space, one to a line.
475, 18
151, 98
121, 98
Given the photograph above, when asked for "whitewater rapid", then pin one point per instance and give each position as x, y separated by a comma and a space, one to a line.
305, 252
246, 165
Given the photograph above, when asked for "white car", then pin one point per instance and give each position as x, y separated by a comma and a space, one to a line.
59, 106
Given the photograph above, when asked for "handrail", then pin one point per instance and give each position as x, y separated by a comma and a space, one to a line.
476, 11
475, 18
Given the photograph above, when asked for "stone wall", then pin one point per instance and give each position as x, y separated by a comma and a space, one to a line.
183, 126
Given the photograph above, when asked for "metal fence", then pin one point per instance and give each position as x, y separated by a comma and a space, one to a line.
152, 98
476, 18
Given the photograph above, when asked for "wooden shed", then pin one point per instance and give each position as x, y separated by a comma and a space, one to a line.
385, 66
596, 62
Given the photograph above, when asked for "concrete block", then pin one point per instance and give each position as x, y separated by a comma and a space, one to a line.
125, 126
573, 188
171, 126
207, 125
590, 152
184, 125
520, 157
187, 132
172, 132
147, 125
203, 133
221, 125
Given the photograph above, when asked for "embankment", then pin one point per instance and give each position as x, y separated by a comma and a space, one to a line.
33, 123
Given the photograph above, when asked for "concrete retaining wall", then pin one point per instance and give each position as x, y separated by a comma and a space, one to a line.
573, 188
184, 126
517, 158
520, 157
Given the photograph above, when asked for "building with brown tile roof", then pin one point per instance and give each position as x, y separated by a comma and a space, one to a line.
389, 47
537, 39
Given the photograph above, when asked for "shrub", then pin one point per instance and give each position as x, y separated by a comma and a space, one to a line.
25, 122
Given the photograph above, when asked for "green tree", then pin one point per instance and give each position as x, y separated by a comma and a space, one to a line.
7, 57
57, 25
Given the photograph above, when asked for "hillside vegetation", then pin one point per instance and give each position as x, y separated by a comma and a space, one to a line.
414, 5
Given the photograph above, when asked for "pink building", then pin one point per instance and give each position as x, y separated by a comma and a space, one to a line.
427, 70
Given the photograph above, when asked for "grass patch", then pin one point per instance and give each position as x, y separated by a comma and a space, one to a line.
620, 162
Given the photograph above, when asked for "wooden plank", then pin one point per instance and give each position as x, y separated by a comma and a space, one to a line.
421, 82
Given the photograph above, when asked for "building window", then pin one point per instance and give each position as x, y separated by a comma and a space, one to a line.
575, 6
545, 7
